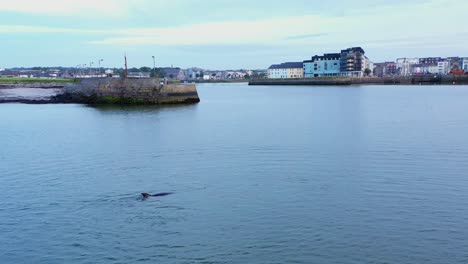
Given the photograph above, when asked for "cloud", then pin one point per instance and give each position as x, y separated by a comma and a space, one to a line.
22, 29
412, 20
405, 24
222, 33
308, 36
69, 7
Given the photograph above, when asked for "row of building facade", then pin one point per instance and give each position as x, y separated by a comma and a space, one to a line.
349, 62
421, 66
352, 62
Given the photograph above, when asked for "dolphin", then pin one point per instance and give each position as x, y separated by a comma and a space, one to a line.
147, 195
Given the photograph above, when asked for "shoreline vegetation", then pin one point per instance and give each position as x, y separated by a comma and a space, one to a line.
15, 80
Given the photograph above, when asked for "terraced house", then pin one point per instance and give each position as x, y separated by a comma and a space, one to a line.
288, 70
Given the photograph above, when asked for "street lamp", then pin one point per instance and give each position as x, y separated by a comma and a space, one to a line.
91, 68
154, 67
99, 62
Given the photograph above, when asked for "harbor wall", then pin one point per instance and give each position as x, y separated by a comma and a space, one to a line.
393, 80
130, 91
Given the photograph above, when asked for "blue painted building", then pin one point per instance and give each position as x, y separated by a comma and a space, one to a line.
465, 64
320, 66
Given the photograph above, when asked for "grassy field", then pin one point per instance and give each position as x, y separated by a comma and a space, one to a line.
33, 80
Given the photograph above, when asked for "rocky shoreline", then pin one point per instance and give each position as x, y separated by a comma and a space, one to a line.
29, 95
31, 85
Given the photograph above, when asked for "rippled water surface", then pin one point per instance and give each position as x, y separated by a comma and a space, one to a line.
260, 175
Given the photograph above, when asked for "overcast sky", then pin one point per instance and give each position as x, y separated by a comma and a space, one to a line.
225, 34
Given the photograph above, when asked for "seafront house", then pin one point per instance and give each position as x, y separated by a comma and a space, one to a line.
385, 69
287, 70
425, 68
404, 65
320, 66
174, 73
455, 63
368, 65
465, 64
352, 62
430, 60
443, 67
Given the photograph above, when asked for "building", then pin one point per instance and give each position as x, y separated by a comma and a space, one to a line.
368, 65
138, 75
465, 64
288, 70
352, 62
385, 69
391, 68
443, 67
455, 63
319, 66
174, 73
430, 60
404, 65
425, 68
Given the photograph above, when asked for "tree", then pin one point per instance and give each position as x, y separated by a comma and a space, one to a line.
202, 74
367, 71
159, 73
146, 69
247, 76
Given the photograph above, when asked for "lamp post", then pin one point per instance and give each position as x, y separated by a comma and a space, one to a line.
99, 69
91, 68
154, 67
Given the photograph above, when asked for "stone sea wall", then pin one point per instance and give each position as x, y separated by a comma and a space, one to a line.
396, 80
129, 91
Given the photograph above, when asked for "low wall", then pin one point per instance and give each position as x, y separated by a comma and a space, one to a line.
301, 82
402, 80
130, 91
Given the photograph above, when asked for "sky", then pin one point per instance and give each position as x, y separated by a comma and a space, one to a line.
224, 34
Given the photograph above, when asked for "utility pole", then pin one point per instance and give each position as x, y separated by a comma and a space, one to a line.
154, 67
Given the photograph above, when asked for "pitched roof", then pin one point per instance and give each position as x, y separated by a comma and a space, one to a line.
173, 71
287, 65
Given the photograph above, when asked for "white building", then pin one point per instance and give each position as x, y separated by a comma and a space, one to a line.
443, 67
368, 65
288, 70
404, 65
465, 64
432, 68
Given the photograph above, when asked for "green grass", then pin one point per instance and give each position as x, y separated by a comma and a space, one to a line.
34, 80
